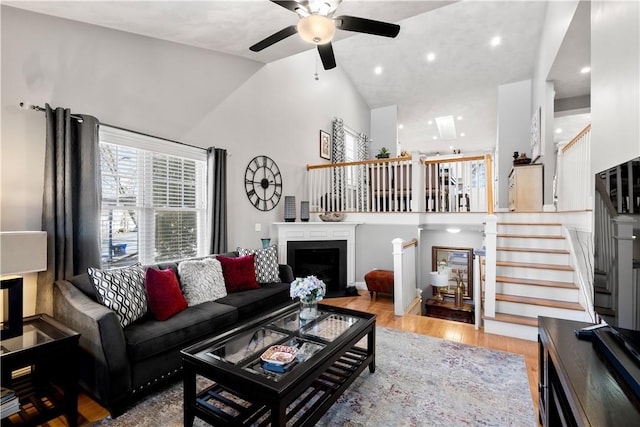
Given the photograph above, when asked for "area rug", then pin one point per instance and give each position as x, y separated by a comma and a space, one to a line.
419, 381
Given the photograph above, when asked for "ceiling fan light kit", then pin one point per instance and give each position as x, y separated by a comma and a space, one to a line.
318, 26
316, 29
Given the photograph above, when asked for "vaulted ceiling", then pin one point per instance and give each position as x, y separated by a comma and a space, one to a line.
461, 80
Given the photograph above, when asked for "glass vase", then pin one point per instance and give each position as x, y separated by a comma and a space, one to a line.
308, 310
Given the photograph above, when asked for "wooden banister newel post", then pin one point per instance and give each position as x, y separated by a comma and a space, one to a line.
624, 256
491, 237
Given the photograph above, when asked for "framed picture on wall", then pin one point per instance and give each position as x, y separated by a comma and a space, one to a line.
325, 145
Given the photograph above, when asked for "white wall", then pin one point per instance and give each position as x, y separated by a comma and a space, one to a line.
615, 83
165, 89
514, 117
384, 130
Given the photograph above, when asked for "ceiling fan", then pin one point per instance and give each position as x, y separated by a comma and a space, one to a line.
317, 25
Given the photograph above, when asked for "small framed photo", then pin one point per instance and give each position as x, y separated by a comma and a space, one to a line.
325, 145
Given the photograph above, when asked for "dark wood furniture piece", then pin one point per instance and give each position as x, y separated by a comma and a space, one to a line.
329, 359
577, 387
41, 366
447, 310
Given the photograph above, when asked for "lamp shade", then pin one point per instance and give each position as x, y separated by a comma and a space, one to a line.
22, 252
439, 279
316, 29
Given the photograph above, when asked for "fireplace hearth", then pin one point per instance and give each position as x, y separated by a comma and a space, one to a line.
325, 259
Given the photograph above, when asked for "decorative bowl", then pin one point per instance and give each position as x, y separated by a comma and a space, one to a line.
331, 217
279, 354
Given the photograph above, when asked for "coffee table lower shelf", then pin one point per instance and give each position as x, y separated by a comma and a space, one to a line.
219, 405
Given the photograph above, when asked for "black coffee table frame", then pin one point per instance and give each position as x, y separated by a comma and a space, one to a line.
299, 398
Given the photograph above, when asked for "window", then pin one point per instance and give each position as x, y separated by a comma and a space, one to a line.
153, 199
350, 154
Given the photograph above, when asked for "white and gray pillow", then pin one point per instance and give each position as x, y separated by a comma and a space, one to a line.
266, 264
122, 290
201, 280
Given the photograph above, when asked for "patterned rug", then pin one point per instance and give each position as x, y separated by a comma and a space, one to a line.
419, 381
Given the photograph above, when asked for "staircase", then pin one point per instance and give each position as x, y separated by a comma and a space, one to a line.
534, 276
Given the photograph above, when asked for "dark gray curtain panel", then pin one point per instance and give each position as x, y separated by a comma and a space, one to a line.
71, 200
217, 199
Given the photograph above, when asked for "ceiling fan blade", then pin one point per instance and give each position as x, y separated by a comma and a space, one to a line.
274, 38
290, 5
369, 26
326, 55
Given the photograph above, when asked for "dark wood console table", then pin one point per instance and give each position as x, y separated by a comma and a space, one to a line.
447, 310
576, 386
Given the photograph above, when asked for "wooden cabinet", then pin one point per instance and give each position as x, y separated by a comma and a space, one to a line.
525, 188
448, 310
576, 386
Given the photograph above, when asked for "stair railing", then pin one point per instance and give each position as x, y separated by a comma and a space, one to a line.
573, 180
406, 294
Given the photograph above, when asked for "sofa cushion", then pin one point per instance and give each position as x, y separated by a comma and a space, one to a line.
122, 290
254, 301
164, 296
145, 339
265, 262
202, 280
239, 273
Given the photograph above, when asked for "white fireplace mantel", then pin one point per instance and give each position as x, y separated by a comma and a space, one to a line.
296, 231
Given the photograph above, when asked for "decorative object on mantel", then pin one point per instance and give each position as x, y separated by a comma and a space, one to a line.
289, 208
304, 211
331, 217
265, 242
309, 290
383, 153
522, 159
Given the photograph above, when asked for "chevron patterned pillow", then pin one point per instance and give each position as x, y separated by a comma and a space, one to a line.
266, 263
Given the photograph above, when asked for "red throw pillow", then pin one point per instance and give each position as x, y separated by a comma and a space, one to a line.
239, 273
164, 296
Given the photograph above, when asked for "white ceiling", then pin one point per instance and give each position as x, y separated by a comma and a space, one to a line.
461, 81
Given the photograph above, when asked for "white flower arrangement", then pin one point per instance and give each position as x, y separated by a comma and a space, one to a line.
308, 289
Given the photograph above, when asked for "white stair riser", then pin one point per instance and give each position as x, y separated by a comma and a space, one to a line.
511, 330
528, 310
529, 217
522, 242
546, 292
535, 273
530, 230
535, 257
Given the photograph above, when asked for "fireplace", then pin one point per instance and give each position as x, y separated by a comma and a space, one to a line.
326, 259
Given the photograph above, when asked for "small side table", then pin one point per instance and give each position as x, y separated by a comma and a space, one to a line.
46, 353
448, 310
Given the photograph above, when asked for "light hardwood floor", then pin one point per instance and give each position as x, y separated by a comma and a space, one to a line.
382, 306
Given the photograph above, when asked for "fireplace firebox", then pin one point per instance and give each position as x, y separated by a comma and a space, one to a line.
325, 259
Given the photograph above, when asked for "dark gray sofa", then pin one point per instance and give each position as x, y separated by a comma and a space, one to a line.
118, 365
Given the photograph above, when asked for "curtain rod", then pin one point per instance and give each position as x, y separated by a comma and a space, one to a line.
27, 106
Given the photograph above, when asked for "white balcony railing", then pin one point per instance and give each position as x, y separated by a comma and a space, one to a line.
402, 185
574, 180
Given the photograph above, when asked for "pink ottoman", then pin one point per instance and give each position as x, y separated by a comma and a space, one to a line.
379, 281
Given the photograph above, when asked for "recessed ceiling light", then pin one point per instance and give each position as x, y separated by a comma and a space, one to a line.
431, 56
451, 147
453, 230
585, 70
430, 122
558, 130
496, 41
462, 134
378, 70
400, 126
459, 117
435, 137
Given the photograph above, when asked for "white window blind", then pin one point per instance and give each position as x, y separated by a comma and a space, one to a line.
153, 199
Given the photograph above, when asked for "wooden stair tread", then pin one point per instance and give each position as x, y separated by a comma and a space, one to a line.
530, 236
541, 251
512, 318
539, 301
605, 311
536, 282
534, 265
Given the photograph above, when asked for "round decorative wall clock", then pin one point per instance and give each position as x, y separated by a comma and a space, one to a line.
263, 183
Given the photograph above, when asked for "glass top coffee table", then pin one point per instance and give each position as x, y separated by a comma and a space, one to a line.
330, 352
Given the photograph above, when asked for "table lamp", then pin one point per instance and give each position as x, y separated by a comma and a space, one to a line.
20, 252
439, 280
